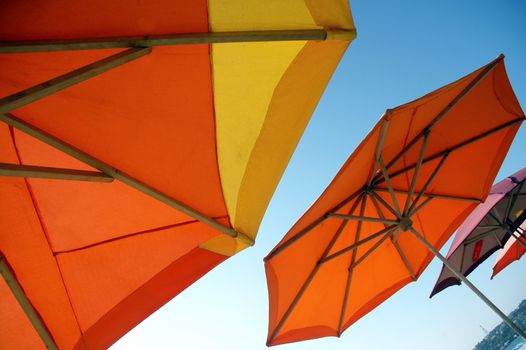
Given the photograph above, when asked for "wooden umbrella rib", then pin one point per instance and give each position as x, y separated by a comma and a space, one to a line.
379, 146
395, 243
389, 185
25, 304
360, 218
39, 91
358, 244
428, 182
487, 69
455, 148
41, 172
349, 274
373, 248
311, 227
480, 236
514, 196
174, 39
309, 279
396, 213
121, 176
416, 173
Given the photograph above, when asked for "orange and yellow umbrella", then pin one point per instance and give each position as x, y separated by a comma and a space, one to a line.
140, 145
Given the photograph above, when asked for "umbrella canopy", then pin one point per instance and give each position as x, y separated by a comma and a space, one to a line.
181, 102
417, 175
486, 229
512, 251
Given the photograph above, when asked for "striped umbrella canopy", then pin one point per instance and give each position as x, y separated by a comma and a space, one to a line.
397, 199
512, 251
487, 229
140, 144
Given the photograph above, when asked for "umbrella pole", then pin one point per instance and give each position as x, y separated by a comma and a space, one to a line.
475, 290
25, 304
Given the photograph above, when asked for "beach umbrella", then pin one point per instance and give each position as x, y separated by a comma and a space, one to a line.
487, 229
397, 199
140, 143
513, 250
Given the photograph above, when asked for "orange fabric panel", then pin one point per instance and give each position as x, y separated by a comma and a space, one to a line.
77, 214
62, 19
164, 285
303, 307
119, 267
164, 100
121, 255
25, 246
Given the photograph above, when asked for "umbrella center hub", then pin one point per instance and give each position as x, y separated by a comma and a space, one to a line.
404, 223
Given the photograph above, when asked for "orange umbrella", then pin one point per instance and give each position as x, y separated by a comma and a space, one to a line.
513, 250
134, 149
397, 199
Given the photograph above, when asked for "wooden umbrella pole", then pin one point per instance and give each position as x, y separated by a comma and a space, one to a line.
475, 290
25, 304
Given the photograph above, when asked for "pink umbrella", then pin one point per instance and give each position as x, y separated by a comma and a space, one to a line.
487, 229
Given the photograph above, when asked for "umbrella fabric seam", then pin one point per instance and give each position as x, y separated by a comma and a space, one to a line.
131, 235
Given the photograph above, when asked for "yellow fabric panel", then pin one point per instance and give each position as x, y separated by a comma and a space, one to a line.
245, 76
333, 14
292, 105
224, 245
247, 15
264, 95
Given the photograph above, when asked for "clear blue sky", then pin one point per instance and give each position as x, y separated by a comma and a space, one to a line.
404, 49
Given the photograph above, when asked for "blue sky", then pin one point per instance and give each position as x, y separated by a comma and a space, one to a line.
404, 49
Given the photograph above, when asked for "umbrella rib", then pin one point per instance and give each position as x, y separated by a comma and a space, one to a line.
448, 108
358, 244
32, 315
480, 235
349, 274
395, 242
493, 213
460, 276
309, 279
433, 195
428, 182
454, 148
423, 204
389, 185
360, 218
508, 208
385, 204
174, 39
416, 172
66, 80
373, 248
41, 172
121, 176
379, 146
514, 195
312, 226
